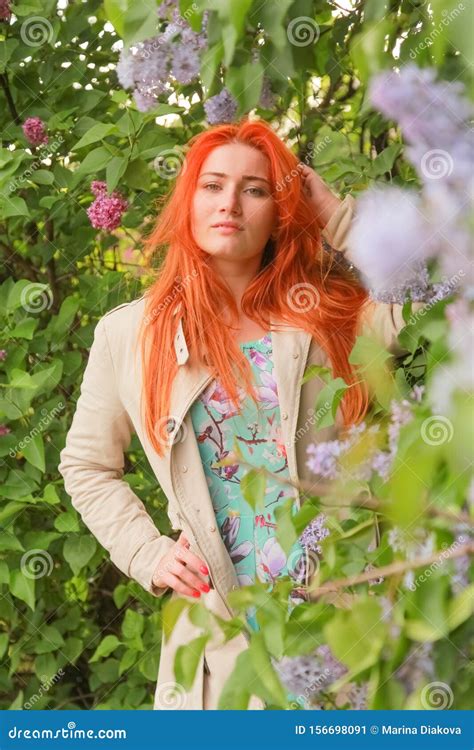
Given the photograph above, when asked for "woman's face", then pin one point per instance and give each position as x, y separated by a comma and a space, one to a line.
234, 189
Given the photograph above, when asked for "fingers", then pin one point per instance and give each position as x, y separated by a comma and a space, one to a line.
182, 570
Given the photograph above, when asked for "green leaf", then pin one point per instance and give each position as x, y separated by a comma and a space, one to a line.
42, 177
133, 624
115, 169
171, 613
95, 161
12, 207
78, 550
23, 588
105, 648
25, 329
252, 486
264, 669
245, 83
96, 133
67, 522
138, 175
328, 401
357, 635
33, 451
187, 659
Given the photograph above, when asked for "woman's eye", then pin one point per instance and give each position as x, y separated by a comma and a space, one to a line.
256, 191
211, 185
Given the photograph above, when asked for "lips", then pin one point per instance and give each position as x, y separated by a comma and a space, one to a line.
227, 225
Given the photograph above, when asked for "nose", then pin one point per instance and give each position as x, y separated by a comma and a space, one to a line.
230, 201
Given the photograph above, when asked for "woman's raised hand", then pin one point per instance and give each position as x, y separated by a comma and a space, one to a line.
324, 201
182, 570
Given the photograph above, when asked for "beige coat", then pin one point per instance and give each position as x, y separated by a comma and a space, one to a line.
92, 462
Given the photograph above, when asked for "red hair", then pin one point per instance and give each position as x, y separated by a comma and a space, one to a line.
185, 281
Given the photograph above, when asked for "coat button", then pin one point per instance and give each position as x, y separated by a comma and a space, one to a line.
170, 425
284, 415
212, 528
184, 469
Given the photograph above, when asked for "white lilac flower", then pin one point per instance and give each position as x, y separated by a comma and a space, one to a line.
126, 69
388, 238
221, 108
314, 533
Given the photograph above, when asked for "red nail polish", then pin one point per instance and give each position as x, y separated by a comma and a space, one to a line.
204, 570
205, 587
196, 593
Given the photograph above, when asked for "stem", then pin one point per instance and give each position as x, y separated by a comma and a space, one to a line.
392, 570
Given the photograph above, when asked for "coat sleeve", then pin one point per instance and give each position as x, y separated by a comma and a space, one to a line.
92, 464
380, 320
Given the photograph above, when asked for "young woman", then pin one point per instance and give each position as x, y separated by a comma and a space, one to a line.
209, 363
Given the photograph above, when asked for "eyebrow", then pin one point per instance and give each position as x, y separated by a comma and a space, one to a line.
245, 176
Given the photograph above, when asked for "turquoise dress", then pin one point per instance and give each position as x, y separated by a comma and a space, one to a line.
249, 535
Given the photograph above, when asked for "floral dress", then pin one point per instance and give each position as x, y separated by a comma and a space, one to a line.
249, 535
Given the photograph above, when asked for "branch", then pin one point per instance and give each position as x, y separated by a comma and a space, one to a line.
8, 95
392, 569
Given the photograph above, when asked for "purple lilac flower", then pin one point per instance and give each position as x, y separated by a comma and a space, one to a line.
185, 65
314, 533
322, 457
5, 10
35, 131
221, 108
4, 430
417, 667
267, 97
3, 354
106, 210
309, 674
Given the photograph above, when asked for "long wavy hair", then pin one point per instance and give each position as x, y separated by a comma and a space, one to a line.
298, 283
